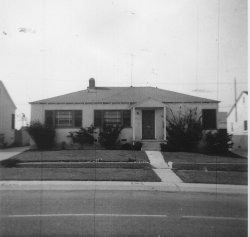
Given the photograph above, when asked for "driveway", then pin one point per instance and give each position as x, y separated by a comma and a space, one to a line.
9, 152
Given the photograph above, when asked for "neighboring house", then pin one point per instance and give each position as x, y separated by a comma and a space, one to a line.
7, 117
237, 122
142, 111
222, 120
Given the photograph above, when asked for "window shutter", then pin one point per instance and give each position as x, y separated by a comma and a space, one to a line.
97, 118
49, 118
13, 121
126, 118
78, 118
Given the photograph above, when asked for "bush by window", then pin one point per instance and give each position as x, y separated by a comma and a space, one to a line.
184, 131
83, 136
42, 135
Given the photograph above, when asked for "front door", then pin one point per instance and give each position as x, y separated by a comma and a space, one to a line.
148, 124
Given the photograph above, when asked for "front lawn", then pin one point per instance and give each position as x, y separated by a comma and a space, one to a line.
202, 168
186, 157
79, 174
212, 177
82, 155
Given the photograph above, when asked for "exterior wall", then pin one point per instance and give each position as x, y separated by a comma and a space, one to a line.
222, 120
6, 110
236, 128
37, 113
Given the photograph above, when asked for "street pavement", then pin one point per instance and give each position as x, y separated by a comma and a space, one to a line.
121, 213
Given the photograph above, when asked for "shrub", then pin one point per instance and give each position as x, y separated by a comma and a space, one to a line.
184, 131
109, 135
83, 136
9, 163
218, 142
137, 146
126, 146
164, 146
42, 135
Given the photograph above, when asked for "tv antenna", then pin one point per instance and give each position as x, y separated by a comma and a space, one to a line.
132, 66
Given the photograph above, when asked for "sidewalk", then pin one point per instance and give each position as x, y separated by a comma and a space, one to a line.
122, 186
9, 152
161, 168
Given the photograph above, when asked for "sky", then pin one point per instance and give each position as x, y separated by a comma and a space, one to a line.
53, 47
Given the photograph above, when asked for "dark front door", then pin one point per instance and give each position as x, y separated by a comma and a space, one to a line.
148, 124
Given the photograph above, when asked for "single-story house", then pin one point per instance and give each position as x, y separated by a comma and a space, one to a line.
237, 122
142, 111
7, 117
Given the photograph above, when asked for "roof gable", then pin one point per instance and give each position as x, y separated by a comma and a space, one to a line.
7, 93
149, 103
243, 92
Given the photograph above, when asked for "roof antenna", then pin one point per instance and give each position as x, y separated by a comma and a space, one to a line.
131, 73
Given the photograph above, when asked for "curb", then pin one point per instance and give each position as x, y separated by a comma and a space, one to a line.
122, 186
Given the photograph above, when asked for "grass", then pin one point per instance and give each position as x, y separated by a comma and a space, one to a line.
124, 165
211, 167
212, 177
202, 168
186, 157
79, 174
82, 155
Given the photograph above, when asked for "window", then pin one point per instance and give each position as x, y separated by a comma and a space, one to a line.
112, 117
209, 118
63, 118
13, 121
245, 125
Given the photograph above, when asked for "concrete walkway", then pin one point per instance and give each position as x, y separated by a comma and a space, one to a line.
161, 168
9, 152
123, 186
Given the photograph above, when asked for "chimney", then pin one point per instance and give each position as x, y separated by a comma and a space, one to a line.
91, 83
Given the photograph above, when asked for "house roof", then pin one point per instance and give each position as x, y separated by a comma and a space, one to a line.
2, 85
230, 111
123, 95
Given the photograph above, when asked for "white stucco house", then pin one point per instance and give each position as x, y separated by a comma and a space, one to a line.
7, 117
142, 111
237, 122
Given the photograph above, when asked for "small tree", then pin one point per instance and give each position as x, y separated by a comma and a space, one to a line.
42, 135
184, 131
83, 136
109, 135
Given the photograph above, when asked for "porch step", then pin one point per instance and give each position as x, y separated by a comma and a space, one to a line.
151, 146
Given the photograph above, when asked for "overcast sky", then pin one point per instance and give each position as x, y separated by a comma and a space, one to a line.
53, 47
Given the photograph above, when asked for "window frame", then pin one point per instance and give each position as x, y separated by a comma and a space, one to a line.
102, 113
13, 121
54, 118
63, 126
245, 125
